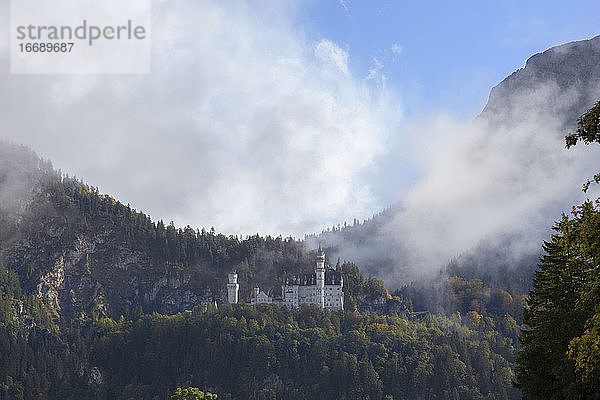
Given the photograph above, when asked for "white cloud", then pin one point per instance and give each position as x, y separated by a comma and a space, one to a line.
502, 180
396, 48
374, 71
344, 5
242, 125
332, 55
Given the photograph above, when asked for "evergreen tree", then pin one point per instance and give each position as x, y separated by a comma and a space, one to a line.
560, 357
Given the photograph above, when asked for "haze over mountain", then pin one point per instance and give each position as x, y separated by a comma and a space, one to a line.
492, 187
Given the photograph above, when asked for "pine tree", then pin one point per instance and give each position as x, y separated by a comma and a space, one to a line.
560, 356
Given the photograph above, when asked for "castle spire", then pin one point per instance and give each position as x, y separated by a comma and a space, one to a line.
233, 288
320, 275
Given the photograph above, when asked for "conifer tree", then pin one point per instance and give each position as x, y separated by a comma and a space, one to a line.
560, 357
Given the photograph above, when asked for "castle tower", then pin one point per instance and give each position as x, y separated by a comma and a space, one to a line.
233, 288
320, 273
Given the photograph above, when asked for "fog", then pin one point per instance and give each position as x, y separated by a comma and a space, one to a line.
482, 180
496, 183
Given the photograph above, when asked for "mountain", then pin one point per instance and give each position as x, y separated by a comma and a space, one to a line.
97, 301
87, 255
563, 80
545, 97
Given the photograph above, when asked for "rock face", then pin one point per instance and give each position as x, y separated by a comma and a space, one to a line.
562, 81
82, 266
98, 275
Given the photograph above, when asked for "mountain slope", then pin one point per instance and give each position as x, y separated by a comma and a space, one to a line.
88, 255
542, 100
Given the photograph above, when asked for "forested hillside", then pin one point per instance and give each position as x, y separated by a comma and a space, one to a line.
269, 352
85, 278
245, 352
84, 252
98, 301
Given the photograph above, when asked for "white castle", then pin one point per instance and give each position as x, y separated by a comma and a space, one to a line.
324, 287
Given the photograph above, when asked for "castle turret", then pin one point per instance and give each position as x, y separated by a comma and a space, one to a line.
233, 288
320, 274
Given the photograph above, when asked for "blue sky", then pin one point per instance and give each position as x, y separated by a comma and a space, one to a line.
448, 53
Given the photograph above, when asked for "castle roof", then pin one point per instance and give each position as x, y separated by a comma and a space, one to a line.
331, 278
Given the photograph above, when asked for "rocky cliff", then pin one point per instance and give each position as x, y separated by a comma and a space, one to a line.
87, 255
562, 81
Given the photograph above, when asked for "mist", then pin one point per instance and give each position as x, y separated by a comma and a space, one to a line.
17, 182
482, 180
495, 183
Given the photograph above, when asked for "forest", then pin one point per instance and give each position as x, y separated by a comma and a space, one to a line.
459, 336
266, 352
104, 347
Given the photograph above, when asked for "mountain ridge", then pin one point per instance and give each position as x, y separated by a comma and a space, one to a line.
573, 66
555, 86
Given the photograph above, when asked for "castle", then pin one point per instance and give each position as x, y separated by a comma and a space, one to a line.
323, 287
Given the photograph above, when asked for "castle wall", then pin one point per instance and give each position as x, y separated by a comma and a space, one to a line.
295, 296
334, 297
